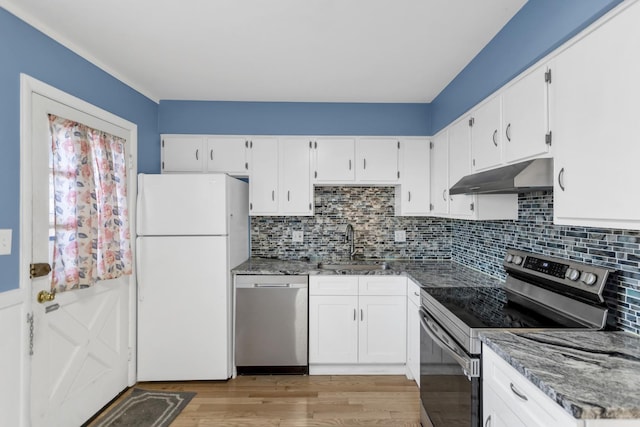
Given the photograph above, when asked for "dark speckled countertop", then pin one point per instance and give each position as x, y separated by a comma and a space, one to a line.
426, 273
590, 374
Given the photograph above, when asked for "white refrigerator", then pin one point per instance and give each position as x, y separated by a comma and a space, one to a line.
192, 229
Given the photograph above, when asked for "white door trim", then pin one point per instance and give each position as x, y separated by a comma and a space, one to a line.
28, 86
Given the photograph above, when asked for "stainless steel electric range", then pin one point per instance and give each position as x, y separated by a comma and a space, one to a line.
540, 292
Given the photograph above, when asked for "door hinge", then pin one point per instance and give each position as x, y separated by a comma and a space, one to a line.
472, 206
548, 138
130, 354
547, 76
162, 165
430, 145
30, 322
130, 162
471, 121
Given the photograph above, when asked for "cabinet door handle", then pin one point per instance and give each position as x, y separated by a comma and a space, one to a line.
211, 154
495, 135
416, 294
349, 164
197, 154
354, 314
508, 132
561, 179
409, 196
361, 315
288, 195
488, 422
273, 195
517, 392
444, 197
364, 163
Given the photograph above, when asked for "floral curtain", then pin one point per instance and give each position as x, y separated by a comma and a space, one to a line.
91, 226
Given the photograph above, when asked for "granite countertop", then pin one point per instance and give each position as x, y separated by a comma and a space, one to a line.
426, 273
590, 374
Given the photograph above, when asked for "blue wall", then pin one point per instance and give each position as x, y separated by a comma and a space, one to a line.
25, 50
294, 118
538, 28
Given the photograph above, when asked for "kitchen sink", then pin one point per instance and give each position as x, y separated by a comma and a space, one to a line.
355, 267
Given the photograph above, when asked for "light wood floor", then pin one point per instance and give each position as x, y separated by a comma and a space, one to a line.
295, 401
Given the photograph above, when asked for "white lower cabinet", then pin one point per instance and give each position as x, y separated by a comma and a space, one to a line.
356, 322
510, 400
413, 331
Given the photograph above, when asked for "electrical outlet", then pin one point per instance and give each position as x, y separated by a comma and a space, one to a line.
297, 236
400, 236
5, 242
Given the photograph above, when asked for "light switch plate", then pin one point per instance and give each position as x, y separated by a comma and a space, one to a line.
401, 236
5, 241
297, 236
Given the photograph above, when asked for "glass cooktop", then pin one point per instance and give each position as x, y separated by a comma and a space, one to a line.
489, 307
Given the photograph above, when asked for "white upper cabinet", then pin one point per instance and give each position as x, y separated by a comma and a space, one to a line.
377, 160
296, 191
227, 155
460, 205
512, 125
182, 153
263, 181
463, 206
367, 161
525, 123
412, 195
334, 160
594, 97
486, 145
198, 153
439, 174
280, 180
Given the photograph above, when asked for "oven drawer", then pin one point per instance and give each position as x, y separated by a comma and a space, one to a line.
524, 400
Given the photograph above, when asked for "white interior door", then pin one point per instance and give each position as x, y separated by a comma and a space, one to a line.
81, 340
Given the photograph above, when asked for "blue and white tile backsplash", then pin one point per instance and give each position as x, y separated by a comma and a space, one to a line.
477, 244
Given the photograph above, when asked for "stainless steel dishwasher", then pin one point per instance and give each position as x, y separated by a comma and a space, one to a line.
271, 324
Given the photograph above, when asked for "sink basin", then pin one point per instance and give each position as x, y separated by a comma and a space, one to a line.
356, 267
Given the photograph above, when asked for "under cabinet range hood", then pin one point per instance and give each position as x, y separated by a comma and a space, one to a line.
531, 175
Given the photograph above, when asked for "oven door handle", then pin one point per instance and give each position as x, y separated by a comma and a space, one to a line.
470, 365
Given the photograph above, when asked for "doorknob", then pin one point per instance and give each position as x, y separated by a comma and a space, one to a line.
44, 296
39, 269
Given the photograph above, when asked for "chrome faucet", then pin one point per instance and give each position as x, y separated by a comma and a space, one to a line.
351, 238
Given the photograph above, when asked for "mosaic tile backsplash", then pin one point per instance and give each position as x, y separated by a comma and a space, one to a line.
478, 244
371, 212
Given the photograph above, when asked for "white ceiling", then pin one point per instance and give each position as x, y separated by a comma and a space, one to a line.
275, 50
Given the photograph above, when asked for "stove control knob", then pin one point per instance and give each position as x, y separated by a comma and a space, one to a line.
589, 278
509, 258
572, 274
517, 260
